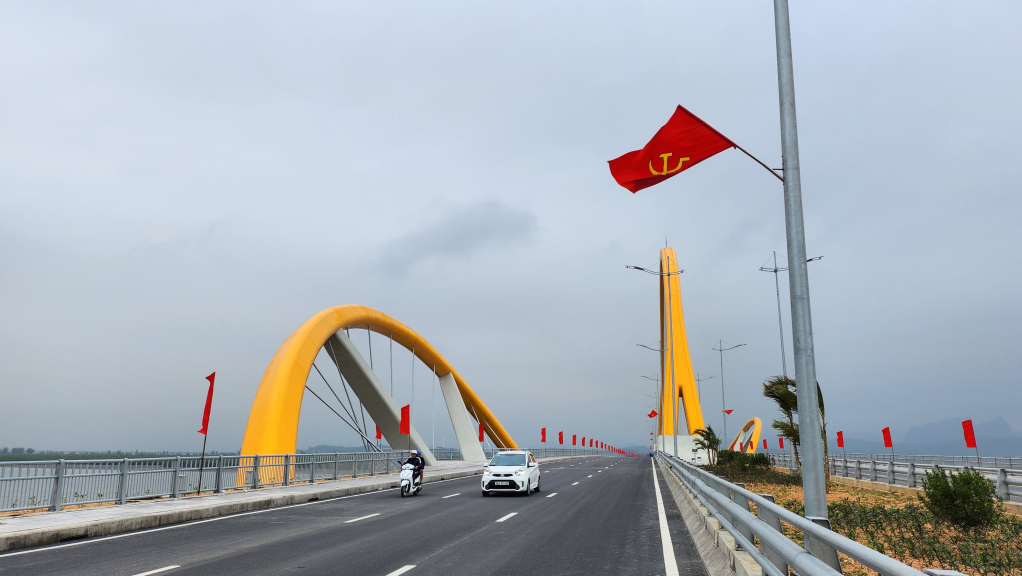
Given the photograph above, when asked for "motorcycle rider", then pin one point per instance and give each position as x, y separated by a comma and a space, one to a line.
420, 465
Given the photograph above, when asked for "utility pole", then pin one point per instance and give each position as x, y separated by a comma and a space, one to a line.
814, 487
723, 404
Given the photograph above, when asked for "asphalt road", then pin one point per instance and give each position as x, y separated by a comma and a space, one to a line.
595, 516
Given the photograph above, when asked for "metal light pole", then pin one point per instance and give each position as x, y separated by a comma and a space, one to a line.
659, 402
670, 321
814, 487
723, 404
777, 288
699, 382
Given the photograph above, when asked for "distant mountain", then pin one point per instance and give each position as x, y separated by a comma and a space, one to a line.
951, 431
994, 438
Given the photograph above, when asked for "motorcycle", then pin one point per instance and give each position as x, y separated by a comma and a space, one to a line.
408, 486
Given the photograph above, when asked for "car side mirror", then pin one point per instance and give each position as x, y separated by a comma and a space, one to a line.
532, 464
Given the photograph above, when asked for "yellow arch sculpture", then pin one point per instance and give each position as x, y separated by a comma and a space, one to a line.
750, 441
676, 364
273, 421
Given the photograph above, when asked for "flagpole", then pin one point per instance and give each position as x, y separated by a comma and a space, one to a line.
814, 485
202, 463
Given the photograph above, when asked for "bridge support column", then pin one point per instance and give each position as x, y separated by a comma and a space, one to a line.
471, 451
377, 401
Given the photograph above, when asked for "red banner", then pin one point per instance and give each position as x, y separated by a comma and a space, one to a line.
560, 437
480, 431
764, 444
573, 440
840, 439
209, 404
970, 436
379, 435
887, 438
406, 419
542, 435
652, 414
780, 442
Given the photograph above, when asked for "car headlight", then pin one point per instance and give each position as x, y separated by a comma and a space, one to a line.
486, 471
520, 471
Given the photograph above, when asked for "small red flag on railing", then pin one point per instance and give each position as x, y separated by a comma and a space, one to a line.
887, 438
480, 431
840, 439
406, 419
573, 440
764, 444
379, 435
542, 435
780, 442
970, 436
560, 437
209, 404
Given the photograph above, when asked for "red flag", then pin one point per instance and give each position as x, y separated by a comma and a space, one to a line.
741, 447
780, 442
590, 442
542, 433
652, 414
970, 436
379, 435
406, 419
560, 437
887, 437
764, 444
840, 439
573, 439
583, 441
209, 404
480, 431
679, 145
728, 412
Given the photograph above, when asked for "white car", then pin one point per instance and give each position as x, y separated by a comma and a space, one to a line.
511, 471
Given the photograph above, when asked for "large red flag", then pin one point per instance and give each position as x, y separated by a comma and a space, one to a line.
379, 434
560, 437
209, 404
887, 437
970, 436
583, 441
542, 433
840, 439
406, 420
764, 444
679, 145
780, 442
573, 439
480, 431
590, 442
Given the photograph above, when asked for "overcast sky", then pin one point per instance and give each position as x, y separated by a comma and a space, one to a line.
182, 185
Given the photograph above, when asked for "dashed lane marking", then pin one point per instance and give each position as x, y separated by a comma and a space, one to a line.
575, 484
670, 563
451, 495
589, 476
502, 518
360, 518
552, 495
158, 570
401, 570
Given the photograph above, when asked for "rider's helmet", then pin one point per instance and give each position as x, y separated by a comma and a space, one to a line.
416, 453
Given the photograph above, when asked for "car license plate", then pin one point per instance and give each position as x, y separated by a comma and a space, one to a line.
505, 483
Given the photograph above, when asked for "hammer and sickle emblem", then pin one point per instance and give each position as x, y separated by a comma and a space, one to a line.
665, 156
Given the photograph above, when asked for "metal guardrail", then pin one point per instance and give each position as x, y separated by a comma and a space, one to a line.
53, 484
730, 504
909, 470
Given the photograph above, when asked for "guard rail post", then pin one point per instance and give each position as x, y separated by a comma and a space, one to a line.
335, 465
58, 486
122, 496
742, 501
774, 521
726, 492
287, 469
312, 472
255, 472
911, 474
1002, 484
872, 470
219, 474
825, 552
890, 471
176, 488
855, 465
354, 466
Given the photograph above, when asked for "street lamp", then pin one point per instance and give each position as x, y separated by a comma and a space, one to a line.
699, 382
777, 288
670, 323
659, 404
720, 348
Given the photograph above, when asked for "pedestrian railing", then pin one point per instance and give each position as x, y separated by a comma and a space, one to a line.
731, 505
910, 470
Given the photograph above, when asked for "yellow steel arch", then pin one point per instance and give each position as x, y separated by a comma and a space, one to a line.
273, 421
675, 363
750, 440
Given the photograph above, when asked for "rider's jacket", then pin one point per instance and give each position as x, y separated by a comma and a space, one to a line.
416, 461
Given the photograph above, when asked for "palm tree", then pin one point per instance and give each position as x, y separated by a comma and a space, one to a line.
783, 391
709, 441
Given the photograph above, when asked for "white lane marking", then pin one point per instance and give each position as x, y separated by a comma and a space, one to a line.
552, 495
670, 563
217, 519
506, 517
360, 518
401, 570
158, 570
575, 484
589, 476
451, 495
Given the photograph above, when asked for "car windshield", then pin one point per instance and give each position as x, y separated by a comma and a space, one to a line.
508, 460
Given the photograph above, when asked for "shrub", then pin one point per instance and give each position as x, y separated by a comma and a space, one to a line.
966, 499
733, 458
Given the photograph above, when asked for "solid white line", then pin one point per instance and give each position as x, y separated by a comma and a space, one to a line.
552, 495
158, 570
360, 518
401, 570
575, 484
506, 517
670, 563
451, 495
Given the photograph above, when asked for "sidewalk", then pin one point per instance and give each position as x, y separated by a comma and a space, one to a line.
53, 527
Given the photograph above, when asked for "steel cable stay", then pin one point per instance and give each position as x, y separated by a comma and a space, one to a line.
351, 413
331, 408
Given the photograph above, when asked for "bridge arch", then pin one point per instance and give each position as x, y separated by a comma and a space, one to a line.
273, 420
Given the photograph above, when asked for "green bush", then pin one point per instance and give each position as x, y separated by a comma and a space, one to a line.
966, 499
733, 458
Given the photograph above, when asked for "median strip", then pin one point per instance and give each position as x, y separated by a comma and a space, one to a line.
506, 517
361, 518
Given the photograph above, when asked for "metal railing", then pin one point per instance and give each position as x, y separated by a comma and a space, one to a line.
731, 505
53, 484
909, 470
